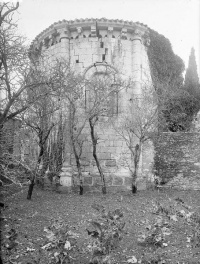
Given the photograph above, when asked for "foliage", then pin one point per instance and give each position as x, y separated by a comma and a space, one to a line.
166, 67
179, 110
15, 171
61, 243
105, 232
191, 77
29, 222
181, 102
192, 87
157, 233
10, 239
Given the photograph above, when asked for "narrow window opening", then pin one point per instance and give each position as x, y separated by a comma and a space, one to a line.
77, 61
106, 51
103, 57
101, 44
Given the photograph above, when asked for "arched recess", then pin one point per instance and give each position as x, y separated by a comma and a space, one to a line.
100, 67
102, 77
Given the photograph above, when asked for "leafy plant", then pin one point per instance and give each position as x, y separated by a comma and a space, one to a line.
105, 232
156, 233
61, 244
10, 236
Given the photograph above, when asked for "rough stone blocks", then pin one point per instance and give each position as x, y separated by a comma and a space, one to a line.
110, 163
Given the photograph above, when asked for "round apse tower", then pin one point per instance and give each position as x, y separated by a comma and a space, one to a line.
89, 44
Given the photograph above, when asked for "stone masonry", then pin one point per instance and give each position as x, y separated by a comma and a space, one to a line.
89, 45
177, 159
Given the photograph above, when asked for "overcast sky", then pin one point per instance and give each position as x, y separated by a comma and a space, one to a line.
177, 20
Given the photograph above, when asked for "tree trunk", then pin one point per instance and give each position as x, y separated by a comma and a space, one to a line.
94, 145
43, 157
78, 165
1, 150
30, 189
32, 183
79, 174
136, 166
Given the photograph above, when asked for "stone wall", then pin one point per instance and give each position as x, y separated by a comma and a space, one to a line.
101, 45
113, 156
177, 159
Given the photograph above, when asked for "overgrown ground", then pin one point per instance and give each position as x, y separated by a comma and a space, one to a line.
140, 211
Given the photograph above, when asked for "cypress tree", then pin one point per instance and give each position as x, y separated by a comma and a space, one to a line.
191, 76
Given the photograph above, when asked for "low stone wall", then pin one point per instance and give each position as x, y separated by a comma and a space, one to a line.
177, 159
111, 180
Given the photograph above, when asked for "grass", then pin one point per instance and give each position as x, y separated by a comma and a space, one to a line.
29, 218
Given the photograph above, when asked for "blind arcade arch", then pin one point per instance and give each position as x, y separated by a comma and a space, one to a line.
102, 88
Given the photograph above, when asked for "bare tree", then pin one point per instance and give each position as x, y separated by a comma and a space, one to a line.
6, 10
14, 67
138, 124
41, 117
72, 87
102, 91
16, 76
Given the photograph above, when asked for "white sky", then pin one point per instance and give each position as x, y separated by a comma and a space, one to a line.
177, 20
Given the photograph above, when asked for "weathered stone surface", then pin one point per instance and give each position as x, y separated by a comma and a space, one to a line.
97, 181
177, 159
104, 156
117, 181
116, 47
110, 163
108, 179
87, 180
85, 163
127, 181
141, 185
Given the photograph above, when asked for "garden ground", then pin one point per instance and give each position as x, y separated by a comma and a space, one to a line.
28, 218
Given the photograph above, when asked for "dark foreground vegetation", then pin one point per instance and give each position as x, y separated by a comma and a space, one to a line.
149, 227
